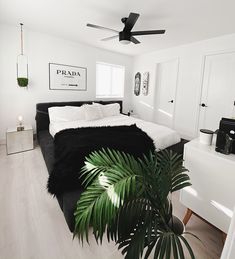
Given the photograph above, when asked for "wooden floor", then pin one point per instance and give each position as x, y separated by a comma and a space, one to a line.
32, 225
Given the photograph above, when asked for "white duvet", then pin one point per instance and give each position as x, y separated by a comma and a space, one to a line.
162, 136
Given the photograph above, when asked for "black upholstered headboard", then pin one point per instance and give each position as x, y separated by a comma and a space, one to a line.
42, 117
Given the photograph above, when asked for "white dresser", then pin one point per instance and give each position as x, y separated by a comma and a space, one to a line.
212, 174
19, 141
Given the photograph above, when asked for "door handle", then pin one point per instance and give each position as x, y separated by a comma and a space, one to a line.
171, 101
203, 105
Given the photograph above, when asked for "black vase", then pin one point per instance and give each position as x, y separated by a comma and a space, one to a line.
176, 225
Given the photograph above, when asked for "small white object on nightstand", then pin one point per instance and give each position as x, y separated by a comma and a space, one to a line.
19, 141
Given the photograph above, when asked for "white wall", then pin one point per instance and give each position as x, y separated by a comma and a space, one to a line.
191, 58
42, 49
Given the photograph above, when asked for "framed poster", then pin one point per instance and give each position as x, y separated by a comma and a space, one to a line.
65, 77
137, 83
145, 83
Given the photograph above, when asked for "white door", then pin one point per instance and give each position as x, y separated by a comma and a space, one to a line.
218, 90
166, 83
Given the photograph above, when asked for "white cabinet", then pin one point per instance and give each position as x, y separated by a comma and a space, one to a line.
212, 194
19, 141
229, 246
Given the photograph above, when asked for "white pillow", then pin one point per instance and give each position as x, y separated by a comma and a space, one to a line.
109, 110
92, 112
66, 113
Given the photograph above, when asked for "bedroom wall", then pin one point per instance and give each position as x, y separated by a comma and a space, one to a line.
191, 60
42, 49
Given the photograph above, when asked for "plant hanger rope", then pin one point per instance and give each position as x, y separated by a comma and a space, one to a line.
21, 38
22, 63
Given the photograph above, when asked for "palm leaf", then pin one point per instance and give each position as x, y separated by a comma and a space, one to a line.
174, 248
168, 247
99, 204
188, 247
179, 246
112, 184
150, 248
158, 248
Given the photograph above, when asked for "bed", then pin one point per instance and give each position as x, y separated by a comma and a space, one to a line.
162, 137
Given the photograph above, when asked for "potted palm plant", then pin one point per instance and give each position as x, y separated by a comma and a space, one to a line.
129, 199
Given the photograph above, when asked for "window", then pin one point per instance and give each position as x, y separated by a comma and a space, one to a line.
109, 80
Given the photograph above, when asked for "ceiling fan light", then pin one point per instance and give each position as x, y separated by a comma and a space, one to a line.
125, 42
125, 37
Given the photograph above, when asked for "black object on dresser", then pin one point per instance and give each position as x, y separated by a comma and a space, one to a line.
225, 142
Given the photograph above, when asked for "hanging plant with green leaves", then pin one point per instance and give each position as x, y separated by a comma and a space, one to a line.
22, 64
23, 82
128, 198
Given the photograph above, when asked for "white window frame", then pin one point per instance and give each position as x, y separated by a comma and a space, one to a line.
110, 90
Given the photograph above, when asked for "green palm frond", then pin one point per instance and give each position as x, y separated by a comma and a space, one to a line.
110, 177
151, 233
128, 217
108, 160
99, 204
129, 199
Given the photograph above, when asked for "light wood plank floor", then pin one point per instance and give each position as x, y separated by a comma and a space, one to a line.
32, 225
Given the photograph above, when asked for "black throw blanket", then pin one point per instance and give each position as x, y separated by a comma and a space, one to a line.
73, 145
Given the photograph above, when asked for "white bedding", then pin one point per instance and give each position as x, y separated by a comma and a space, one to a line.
162, 136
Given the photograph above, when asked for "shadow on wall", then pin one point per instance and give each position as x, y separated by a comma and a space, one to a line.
144, 110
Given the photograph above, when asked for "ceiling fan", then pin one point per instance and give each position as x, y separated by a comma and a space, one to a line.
127, 35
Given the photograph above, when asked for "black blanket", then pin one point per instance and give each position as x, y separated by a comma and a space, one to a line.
73, 145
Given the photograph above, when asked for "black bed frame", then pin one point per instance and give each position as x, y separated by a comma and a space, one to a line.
68, 200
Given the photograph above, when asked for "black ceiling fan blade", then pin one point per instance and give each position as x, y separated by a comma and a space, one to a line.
130, 22
110, 38
135, 33
134, 40
101, 27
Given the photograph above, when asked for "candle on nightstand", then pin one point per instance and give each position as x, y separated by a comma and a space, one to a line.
20, 127
20, 119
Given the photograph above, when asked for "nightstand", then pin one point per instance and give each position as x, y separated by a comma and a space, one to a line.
212, 175
19, 141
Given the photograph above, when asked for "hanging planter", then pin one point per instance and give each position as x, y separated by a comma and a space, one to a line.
22, 82
22, 65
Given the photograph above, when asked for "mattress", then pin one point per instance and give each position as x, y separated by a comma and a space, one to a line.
162, 136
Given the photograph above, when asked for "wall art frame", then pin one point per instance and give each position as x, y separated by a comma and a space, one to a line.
67, 77
137, 84
145, 87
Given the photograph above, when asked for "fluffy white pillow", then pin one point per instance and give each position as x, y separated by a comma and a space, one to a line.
109, 110
66, 113
92, 112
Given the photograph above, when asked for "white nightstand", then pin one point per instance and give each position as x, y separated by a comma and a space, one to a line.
212, 194
19, 141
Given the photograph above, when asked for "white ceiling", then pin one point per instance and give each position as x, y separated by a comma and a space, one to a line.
185, 21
